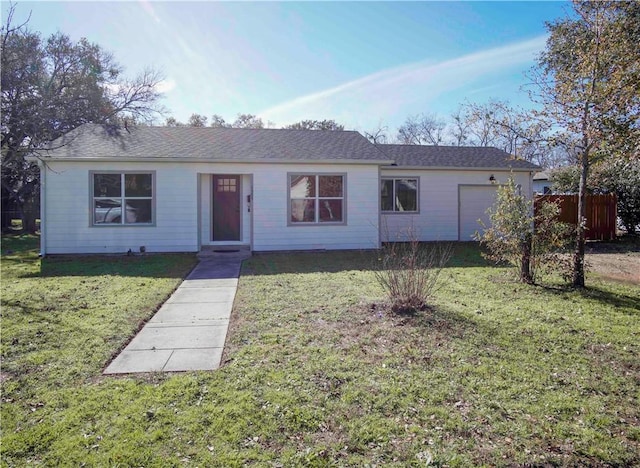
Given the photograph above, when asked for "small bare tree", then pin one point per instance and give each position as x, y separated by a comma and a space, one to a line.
378, 135
422, 130
409, 271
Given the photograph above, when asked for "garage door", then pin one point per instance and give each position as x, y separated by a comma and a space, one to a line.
474, 201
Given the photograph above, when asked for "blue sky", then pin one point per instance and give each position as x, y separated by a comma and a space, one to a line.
362, 64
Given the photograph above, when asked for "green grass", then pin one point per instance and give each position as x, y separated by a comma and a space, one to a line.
316, 372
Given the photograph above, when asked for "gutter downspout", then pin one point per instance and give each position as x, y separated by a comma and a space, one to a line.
43, 208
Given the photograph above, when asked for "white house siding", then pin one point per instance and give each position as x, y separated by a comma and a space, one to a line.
541, 186
438, 217
265, 227
68, 213
183, 208
271, 230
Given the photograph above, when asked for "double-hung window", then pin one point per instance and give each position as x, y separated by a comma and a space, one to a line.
399, 195
316, 198
122, 198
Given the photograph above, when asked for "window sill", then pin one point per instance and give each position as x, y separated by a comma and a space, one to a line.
400, 212
112, 225
315, 224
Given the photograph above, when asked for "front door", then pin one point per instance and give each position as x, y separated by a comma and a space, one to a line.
226, 208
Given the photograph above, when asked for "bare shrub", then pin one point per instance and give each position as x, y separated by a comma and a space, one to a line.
408, 271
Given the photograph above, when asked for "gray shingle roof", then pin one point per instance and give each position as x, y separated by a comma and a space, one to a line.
212, 144
236, 144
471, 157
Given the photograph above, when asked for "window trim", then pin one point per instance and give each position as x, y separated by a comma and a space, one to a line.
394, 211
122, 224
317, 197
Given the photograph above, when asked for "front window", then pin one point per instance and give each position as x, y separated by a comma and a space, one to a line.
399, 195
122, 198
316, 198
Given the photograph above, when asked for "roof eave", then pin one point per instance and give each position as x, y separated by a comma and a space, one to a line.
449, 168
380, 162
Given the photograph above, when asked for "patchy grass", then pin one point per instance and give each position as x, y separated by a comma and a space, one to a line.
317, 372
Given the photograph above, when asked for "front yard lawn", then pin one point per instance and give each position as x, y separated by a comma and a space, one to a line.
316, 372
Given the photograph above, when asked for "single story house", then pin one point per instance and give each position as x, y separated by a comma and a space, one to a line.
184, 189
541, 183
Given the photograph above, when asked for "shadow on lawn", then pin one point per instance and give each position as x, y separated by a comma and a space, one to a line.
443, 319
23, 249
464, 254
12, 243
154, 266
626, 244
620, 301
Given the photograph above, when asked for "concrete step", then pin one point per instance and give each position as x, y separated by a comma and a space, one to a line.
231, 252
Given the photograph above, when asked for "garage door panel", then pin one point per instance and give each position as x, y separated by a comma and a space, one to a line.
473, 204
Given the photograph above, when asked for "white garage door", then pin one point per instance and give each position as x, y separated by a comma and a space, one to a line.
474, 201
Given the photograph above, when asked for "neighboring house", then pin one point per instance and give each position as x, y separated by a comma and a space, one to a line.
108, 190
541, 183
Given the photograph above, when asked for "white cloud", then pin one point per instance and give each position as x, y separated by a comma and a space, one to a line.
405, 89
148, 8
112, 88
165, 86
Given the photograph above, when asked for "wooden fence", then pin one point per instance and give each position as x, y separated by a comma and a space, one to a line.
601, 213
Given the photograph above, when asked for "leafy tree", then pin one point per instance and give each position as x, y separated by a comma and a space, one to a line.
565, 179
588, 80
622, 177
172, 122
247, 121
611, 175
527, 238
197, 120
316, 125
50, 86
218, 122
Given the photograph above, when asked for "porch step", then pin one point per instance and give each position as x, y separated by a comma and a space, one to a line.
232, 252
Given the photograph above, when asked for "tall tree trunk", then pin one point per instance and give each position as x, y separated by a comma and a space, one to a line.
29, 217
578, 254
526, 275
31, 212
5, 211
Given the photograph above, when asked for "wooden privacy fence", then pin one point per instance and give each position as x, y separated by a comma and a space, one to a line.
601, 213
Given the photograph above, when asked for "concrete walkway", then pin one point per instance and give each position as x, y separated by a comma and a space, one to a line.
189, 330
